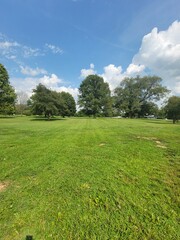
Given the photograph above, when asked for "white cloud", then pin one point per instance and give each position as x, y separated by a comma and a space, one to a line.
113, 75
176, 87
73, 91
92, 65
7, 44
11, 57
87, 72
134, 69
24, 84
9, 48
13, 50
50, 81
31, 52
160, 53
32, 72
54, 49
29, 83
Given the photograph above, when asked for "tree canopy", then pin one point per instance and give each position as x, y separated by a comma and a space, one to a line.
95, 96
133, 93
7, 93
67, 105
49, 103
173, 108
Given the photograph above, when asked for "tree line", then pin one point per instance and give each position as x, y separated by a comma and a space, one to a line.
134, 97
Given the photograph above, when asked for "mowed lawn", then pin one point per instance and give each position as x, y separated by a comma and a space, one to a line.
89, 179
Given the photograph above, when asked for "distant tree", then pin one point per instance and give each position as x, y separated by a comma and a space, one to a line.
7, 93
161, 113
133, 93
148, 108
68, 107
49, 103
95, 96
173, 108
43, 102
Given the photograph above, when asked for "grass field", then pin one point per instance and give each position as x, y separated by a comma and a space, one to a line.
89, 179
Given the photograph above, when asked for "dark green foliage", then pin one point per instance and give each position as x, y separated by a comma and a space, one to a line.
49, 103
7, 93
43, 102
134, 93
66, 104
95, 96
148, 108
173, 108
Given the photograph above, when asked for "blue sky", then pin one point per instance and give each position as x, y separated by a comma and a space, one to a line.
60, 42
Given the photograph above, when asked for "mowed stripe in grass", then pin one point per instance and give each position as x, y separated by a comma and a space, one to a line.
89, 179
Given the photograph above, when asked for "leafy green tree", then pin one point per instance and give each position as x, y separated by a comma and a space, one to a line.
173, 108
161, 113
127, 98
148, 108
49, 103
95, 96
68, 107
133, 93
7, 93
43, 102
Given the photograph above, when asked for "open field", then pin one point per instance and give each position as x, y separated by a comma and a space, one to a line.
89, 179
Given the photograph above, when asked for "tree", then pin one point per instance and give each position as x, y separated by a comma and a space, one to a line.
43, 102
133, 93
95, 96
148, 108
68, 107
173, 108
48, 102
7, 93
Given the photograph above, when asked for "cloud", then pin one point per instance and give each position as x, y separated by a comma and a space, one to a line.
31, 52
13, 50
113, 75
28, 83
134, 69
7, 45
52, 82
54, 49
87, 72
32, 72
73, 91
24, 84
160, 53
177, 87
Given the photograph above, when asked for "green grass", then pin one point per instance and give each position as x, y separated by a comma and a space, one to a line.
89, 179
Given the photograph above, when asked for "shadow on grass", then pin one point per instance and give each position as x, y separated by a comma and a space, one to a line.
49, 120
7, 117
